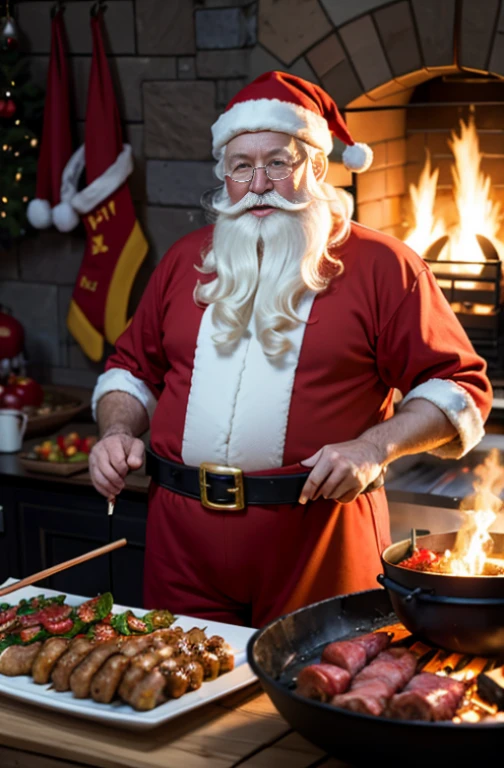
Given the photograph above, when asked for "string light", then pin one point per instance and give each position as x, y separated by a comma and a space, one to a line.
18, 176
18, 122
5, 200
7, 93
3, 215
34, 142
16, 154
5, 147
25, 199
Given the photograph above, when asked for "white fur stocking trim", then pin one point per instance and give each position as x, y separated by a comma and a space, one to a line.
239, 404
459, 407
119, 380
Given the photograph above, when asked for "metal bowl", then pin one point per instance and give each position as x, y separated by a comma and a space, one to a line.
277, 652
464, 614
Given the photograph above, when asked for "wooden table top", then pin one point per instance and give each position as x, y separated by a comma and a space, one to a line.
243, 729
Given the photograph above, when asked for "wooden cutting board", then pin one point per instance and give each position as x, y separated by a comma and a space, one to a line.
243, 728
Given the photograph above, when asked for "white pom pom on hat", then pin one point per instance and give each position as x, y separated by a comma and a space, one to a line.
65, 218
39, 213
278, 101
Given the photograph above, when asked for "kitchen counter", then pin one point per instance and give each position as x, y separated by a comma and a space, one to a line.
242, 729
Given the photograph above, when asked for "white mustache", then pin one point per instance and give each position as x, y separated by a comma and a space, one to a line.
271, 199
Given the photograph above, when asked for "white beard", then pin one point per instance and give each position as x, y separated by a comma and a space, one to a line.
263, 266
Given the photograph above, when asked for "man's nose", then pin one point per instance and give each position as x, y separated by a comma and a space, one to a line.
260, 183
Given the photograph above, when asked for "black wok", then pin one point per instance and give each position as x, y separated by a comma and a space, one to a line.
279, 650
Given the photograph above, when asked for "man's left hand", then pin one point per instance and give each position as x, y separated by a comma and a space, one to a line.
342, 470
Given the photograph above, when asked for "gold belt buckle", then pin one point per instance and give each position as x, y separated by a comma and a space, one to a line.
238, 490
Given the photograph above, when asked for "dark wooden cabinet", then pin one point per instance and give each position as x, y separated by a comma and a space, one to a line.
45, 524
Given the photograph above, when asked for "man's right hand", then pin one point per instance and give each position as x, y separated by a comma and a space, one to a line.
112, 458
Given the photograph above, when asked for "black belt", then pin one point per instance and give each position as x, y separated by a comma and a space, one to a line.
227, 488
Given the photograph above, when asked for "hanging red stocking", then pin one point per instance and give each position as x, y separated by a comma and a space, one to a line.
50, 205
115, 246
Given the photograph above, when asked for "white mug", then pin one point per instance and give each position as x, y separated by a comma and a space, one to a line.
12, 429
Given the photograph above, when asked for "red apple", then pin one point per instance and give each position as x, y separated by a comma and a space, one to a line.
10, 399
30, 392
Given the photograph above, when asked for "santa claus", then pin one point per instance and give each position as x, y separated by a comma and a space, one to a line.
264, 354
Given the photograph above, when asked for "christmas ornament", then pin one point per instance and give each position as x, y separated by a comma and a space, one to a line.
10, 108
8, 33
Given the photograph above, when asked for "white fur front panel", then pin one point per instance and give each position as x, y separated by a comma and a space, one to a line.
119, 380
459, 407
239, 404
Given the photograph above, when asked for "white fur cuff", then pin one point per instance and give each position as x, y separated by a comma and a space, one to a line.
459, 407
119, 380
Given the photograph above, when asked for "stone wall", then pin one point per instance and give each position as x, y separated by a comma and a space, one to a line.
176, 63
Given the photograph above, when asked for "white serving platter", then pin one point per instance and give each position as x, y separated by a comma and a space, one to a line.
117, 713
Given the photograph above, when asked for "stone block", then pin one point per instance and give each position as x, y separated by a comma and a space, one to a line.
64, 297
77, 360
186, 68
392, 211
370, 186
133, 134
380, 125
290, 27
225, 28
415, 147
365, 50
379, 155
52, 257
35, 306
39, 66
397, 31
396, 152
35, 23
226, 90
164, 226
341, 83
128, 74
215, 64
9, 264
437, 144
338, 175
435, 21
178, 119
395, 181
370, 214
165, 28
326, 55
261, 61
342, 11
477, 32
496, 65
178, 182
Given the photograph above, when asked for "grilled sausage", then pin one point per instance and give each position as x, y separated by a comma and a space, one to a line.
106, 681
18, 659
78, 650
148, 692
207, 659
139, 667
80, 679
47, 657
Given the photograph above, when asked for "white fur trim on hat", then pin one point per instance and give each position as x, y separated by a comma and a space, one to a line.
38, 213
459, 407
120, 380
271, 115
357, 157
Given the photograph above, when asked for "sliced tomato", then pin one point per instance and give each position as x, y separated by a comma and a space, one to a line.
86, 612
8, 615
104, 632
59, 627
107, 619
135, 624
30, 619
29, 633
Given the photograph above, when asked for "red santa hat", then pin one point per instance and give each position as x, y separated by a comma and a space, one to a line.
51, 205
277, 101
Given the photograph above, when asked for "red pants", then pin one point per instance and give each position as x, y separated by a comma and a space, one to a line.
250, 567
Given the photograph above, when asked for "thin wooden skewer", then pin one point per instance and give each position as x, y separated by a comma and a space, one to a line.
62, 566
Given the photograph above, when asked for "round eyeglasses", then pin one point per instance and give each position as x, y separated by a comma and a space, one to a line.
276, 170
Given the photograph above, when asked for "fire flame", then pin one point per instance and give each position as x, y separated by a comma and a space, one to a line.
473, 544
477, 213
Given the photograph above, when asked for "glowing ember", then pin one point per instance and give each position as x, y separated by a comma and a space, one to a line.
477, 213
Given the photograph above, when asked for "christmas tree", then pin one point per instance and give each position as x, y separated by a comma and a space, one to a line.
21, 107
